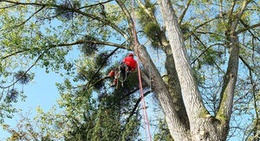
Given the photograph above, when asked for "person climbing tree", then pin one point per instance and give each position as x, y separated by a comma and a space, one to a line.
128, 65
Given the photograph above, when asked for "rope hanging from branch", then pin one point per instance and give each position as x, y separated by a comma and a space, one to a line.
143, 103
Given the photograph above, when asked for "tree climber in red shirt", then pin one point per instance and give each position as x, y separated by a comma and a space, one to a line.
127, 65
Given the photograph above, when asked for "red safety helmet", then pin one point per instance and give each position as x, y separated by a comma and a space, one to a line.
131, 55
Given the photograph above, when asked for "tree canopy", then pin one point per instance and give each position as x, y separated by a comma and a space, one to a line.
206, 84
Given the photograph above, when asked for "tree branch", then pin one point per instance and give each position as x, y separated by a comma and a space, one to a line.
39, 57
230, 78
247, 28
29, 17
204, 51
151, 15
89, 85
96, 4
14, 53
94, 17
231, 12
184, 12
241, 12
130, 21
70, 44
135, 107
202, 24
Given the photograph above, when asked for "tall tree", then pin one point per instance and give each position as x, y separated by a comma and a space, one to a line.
203, 125
197, 90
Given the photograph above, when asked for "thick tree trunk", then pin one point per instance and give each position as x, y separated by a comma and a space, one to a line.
174, 88
200, 126
203, 127
171, 79
230, 78
174, 122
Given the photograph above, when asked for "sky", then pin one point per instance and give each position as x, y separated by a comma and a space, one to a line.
43, 92
40, 92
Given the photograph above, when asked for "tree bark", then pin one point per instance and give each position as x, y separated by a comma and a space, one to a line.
175, 123
203, 127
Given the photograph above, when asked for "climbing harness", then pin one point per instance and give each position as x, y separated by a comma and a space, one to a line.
122, 74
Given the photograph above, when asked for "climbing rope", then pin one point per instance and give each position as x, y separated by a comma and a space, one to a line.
147, 124
143, 103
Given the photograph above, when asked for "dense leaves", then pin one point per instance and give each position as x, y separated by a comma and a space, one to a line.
47, 33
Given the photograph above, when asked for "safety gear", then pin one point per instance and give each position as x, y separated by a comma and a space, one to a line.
130, 62
121, 73
131, 55
111, 73
114, 83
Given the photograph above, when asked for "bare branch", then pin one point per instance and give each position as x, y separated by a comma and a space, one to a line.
184, 12
70, 44
14, 53
242, 10
231, 12
201, 25
130, 21
135, 107
247, 28
99, 3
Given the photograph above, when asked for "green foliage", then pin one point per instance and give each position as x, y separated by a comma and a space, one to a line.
143, 16
89, 47
11, 96
150, 27
25, 130
163, 134
153, 31
210, 57
23, 77
7, 110
102, 59
131, 130
64, 12
46, 33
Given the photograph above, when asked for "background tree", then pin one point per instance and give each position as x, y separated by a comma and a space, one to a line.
204, 44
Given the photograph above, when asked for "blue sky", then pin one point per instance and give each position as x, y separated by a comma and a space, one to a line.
43, 92
40, 92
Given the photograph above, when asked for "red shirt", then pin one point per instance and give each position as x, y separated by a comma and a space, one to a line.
130, 61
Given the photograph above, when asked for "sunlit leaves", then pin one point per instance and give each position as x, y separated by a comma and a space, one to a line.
152, 31
54, 60
6, 111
